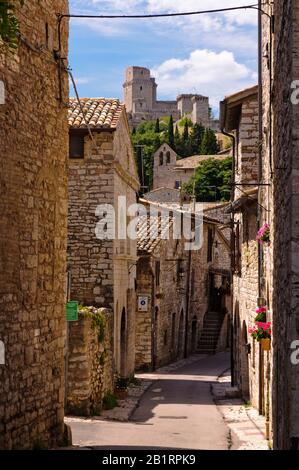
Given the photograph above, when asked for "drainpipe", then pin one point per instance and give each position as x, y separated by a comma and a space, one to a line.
223, 109
188, 300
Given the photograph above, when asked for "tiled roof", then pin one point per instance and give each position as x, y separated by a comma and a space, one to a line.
195, 160
151, 230
99, 113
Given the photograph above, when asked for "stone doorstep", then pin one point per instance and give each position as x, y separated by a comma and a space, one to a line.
246, 424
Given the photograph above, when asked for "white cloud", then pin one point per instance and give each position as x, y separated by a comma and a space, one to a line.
205, 72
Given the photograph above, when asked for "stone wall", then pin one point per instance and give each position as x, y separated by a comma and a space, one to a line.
90, 368
246, 169
91, 182
280, 168
103, 272
161, 333
33, 230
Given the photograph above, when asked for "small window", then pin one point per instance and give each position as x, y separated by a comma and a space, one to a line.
161, 159
177, 185
168, 157
140, 105
141, 88
76, 146
165, 339
157, 273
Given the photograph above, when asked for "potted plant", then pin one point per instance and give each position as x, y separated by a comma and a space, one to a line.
261, 332
121, 388
263, 235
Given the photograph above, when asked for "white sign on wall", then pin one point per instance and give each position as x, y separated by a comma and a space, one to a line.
2, 353
2, 93
143, 302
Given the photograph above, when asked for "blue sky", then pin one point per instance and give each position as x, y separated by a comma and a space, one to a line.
214, 55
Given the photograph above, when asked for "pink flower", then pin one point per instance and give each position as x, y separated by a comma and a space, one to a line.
261, 309
264, 326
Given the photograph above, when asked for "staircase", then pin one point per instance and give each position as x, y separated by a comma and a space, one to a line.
210, 334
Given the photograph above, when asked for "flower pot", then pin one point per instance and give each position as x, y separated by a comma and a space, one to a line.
266, 344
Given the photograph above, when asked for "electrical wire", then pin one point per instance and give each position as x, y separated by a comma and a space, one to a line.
160, 15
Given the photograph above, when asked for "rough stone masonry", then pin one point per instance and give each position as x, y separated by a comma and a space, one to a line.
33, 229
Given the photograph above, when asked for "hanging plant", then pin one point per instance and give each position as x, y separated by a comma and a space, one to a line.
263, 235
260, 331
261, 314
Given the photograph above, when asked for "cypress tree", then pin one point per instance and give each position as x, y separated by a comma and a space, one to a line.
170, 133
209, 145
157, 126
177, 141
196, 137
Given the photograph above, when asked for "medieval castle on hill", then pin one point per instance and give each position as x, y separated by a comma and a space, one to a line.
140, 97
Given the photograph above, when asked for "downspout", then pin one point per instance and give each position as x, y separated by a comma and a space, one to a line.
260, 178
232, 219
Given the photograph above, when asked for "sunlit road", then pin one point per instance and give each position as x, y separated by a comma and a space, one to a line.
177, 412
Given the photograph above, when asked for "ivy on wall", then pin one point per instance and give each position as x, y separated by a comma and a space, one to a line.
9, 25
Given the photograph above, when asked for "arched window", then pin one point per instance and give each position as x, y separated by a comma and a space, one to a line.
161, 158
168, 157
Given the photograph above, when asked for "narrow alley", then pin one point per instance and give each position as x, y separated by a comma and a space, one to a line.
177, 412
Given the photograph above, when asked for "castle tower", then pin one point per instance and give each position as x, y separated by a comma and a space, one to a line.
200, 113
140, 90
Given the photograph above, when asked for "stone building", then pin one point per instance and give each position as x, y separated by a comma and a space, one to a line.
33, 231
239, 117
90, 368
171, 171
279, 203
192, 315
102, 171
140, 98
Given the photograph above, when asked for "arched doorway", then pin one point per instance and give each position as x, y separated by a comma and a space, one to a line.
194, 334
244, 363
181, 336
155, 338
123, 343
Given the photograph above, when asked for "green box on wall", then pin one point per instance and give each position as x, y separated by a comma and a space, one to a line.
72, 311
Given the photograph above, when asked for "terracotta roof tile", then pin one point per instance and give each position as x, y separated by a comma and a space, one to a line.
151, 230
99, 113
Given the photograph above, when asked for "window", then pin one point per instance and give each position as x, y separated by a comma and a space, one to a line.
157, 273
180, 270
168, 157
140, 105
161, 158
237, 250
210, 245
141, 88
76, 146
165, 339
177, 185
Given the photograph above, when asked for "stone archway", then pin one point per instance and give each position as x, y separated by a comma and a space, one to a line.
123, 343
181, 337
194, 334
244, 363
155, 338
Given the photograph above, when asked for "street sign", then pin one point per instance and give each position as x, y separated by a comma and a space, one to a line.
143, 303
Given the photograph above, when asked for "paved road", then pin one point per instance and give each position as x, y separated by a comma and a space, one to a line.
177, 412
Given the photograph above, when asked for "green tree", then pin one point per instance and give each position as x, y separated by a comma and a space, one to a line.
177, 140
186, 142
209, 145
9, 25
157, 128
196, 136
212, 180
170, 132
146, 142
